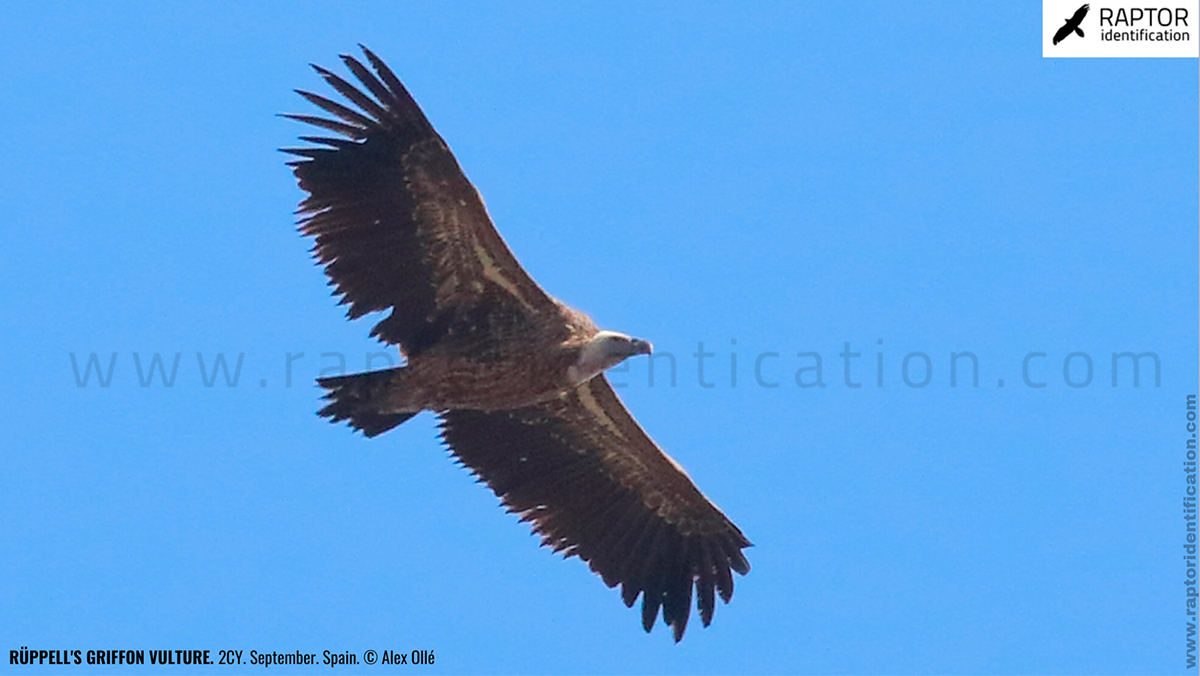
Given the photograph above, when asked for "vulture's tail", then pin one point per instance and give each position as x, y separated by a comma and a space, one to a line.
359, 398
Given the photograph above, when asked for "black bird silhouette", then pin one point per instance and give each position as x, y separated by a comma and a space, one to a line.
1072, 25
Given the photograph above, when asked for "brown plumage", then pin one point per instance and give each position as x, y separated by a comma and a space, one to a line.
515, 376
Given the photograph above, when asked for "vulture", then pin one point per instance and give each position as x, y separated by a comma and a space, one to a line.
515, 377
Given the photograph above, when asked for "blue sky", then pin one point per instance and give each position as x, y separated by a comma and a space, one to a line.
781, 179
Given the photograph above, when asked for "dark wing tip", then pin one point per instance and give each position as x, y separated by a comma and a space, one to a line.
738, 563
650, 604
678, 628
629, 594
703, 567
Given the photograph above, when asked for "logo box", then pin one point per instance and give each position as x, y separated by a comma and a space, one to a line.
1159, 28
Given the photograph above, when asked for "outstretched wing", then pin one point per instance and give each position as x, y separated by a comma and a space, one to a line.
397, 225
595, 485
1077, 17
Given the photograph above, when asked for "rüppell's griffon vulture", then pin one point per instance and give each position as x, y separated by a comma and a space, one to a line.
515, 376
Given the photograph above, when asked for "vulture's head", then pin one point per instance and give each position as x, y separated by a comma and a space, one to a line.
605, 350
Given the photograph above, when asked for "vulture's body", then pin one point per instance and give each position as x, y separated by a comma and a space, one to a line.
515, 376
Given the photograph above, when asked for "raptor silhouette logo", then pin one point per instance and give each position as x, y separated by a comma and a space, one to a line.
1072, 25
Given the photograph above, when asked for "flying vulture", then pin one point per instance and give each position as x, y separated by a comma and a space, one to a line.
1072, 25
514, 375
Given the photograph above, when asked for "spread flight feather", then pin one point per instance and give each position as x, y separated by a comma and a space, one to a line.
515, 376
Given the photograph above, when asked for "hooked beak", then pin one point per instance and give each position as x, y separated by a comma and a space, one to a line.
642, 347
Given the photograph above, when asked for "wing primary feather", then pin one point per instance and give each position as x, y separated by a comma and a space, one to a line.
629, 593
311, 153
369, 81
724, 582
667, 573
733, 555
334, 108
404, 100
651, 600
674, 580
325, 123
649, 573
724, 579
353, 94
705, 601
682, 601
738, 562
625, 552
328, 141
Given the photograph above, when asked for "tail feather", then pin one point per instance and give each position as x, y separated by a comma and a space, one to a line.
357, 398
